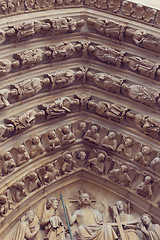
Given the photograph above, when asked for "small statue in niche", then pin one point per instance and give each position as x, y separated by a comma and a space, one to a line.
69, 164
6, 130
109, 142
33, 182
143, 157
51, 222
28, 227
120, 175
92, 135
4, 205
25, 30
62, 79
20, 191
21, 155
96, 161
36, 147
155, 163
126, 148
53, 141
68, 137
48, 173
7, 162
145, 188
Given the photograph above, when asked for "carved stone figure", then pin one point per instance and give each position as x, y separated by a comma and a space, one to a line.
5, 67
126, 218
90, 222
92, 135
24, 121
120, 175
51, 222
126, 148
144, 67
4, 95
148, 229
155, 163
81, 129
96, 163
62, 78
7, 163
29, 58
28, 88
141, 94
6, 130
106, 81
36, 147
145, 187
51, 173
69, 163
143, 157
53, 141
28, 227
110, 141
68, 137
4, 205
21, 155
34, 182
25, 30
83, 99
3, 6
65, 50
147, 125
20, 191
108, 55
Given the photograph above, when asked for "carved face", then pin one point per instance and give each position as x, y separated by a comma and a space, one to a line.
128, 142
30, 216
111, 135
120, 206
21, 149
123, 168
66, 130
101, 157
36, 140
85, 199
147, 179
68, 158
146, 219
55, 203
7, 156
52, 134
82, 156
83, 126
94, 129
145, 150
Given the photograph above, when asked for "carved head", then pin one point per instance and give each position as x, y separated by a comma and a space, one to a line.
82, 126
146, 150
21, 186
52, 202
128, 142
30, 215
120, 206
94, 129
68, 158
14, 92
146, 219
124, 168
7, 156
51, 134
111, 135
66, 129
82, 155
3, 6
33, 176
85, 199
21, 149
36, 140
147, 179
49, 167
3, 199
101, 157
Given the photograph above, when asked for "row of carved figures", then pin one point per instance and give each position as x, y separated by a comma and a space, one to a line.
77, 49
136, 11
48, 82
94, 160
77, 103
89, 221
62, 25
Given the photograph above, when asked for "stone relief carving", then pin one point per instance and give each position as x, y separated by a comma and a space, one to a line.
67, 135
5, 205
69, 163
110, 141
92, 135
18, 191
155, 163
7, 163
20, 154
32, 182
145, 188
28, 227
120, 175
48, 173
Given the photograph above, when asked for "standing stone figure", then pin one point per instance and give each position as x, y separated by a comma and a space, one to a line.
27, 229
52, 224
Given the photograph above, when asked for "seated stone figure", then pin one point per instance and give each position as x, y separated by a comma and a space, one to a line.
90, 222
